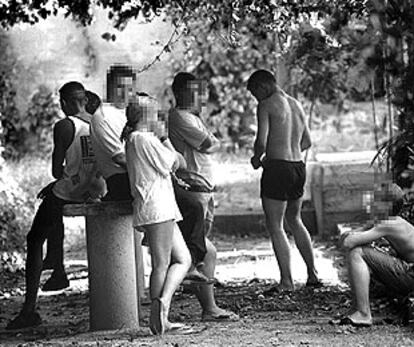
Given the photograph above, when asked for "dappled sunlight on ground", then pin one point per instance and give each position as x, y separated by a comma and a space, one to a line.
260, 263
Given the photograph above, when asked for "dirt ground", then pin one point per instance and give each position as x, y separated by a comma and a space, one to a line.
300, 318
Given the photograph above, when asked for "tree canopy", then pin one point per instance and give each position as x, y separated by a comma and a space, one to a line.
322, 54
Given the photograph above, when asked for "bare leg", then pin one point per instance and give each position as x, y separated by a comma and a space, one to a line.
166, 244
181, 262
302, 237
205, 293
358, 273
275, 211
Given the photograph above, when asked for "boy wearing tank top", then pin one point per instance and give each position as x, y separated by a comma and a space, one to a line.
77, 180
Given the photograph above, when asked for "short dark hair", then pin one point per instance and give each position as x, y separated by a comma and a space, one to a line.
72, 91
262, 78
115, 71
94, 101
180, 85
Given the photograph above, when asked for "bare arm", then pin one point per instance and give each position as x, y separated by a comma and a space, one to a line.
180, 162
353, 239
63, 133
120, 159
261, 136
210, 145
305, 141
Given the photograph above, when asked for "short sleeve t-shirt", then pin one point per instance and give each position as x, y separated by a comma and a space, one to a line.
149, 165
187, 132
106, 129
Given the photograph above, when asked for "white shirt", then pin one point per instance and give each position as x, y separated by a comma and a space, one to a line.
106, 129
149, 165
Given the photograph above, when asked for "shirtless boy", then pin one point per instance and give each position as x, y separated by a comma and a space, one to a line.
395, 272
281, 137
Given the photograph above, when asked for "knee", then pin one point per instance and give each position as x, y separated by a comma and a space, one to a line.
293, 219
355, 254
186, 259
160, 263
211, 251
34, 240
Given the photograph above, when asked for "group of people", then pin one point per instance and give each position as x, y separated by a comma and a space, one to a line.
124, 150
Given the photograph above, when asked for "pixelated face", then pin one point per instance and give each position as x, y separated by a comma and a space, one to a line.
199, 94
377, 203
146, 112
124, 88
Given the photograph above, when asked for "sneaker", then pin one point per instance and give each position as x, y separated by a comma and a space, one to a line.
56, 282
24, 320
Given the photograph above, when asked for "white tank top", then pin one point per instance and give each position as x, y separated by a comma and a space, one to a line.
81, 180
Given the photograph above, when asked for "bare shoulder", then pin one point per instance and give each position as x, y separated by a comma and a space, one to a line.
295, 105
275, 105
393, 224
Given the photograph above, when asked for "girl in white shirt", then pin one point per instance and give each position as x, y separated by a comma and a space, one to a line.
150, 162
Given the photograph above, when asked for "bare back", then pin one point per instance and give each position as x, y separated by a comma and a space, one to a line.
400, 234
286, 126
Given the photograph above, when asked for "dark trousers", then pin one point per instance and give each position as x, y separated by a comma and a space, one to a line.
48, 224
118, 188
196, 209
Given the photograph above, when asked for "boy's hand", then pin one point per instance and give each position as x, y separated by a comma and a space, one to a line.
345, 239
256, 162
46, 190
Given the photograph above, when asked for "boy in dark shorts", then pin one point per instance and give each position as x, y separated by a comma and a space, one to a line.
282, 136
394, 271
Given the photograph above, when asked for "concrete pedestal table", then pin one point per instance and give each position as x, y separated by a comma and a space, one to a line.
113, 259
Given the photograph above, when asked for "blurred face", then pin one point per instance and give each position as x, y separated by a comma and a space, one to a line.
124, 89
199, 94
146, 113
378, 204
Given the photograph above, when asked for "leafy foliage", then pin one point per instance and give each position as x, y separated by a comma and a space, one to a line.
32, 131
245, 30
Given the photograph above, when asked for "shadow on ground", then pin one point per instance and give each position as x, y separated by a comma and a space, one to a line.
299, 318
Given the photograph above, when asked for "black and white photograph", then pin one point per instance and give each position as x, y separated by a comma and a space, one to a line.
206, 173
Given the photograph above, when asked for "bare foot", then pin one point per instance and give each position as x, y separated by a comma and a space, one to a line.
356, 319
218, 314
279, 289
359, 318
157, 317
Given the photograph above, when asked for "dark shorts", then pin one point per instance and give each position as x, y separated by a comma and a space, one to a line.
118, 188
394, 273
282, 179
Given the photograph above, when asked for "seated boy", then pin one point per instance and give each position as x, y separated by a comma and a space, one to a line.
77, 180
53, 259
395, 272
